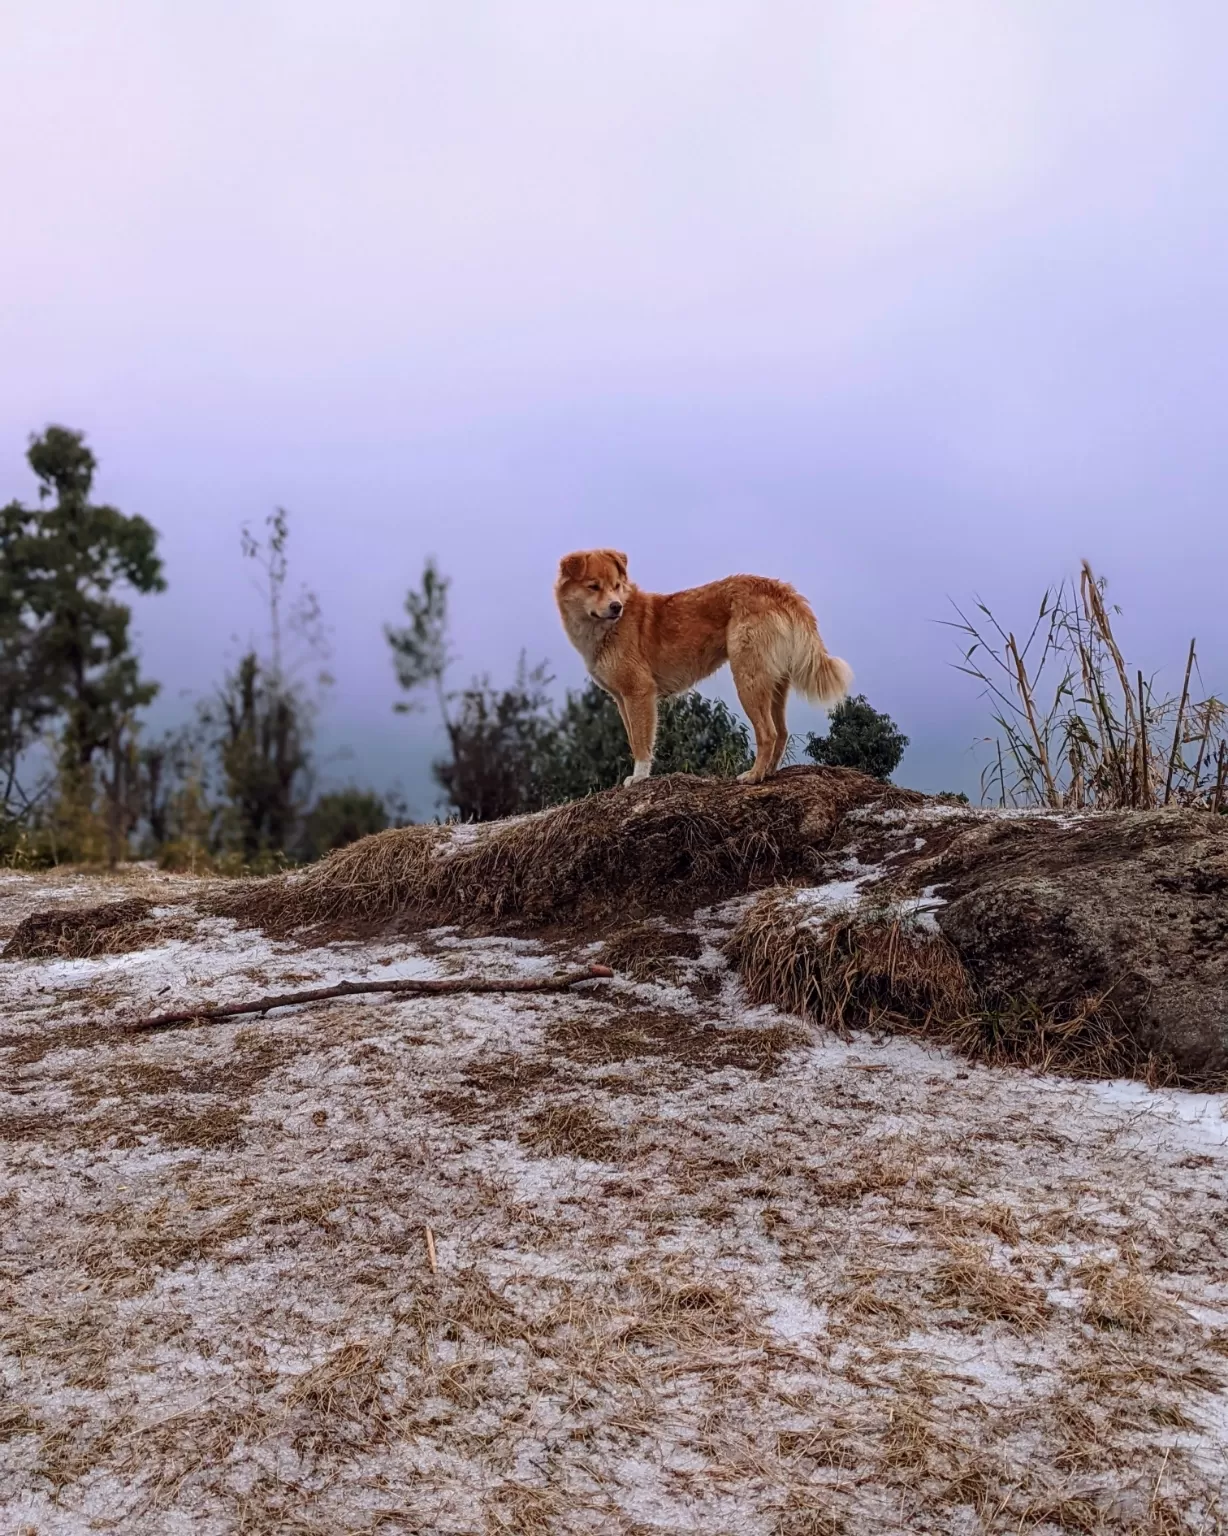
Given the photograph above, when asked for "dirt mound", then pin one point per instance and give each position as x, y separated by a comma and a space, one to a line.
78, 934
670, 845
1094, 944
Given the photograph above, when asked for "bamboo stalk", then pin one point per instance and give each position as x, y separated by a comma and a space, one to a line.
1025, 692
1176, 751
1217, 799
1144, 761
1202, 747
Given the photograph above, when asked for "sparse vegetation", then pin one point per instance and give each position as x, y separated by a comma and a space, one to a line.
231, 787
1081, 728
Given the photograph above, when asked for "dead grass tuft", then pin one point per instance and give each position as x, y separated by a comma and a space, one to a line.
849, 971
673, 1310
572, 1130
17, 1419
344, 1400
673, 844
636, 1033
1086, 1038
808, 1512
81, 933
969, 1280
1120, 1296
649, 952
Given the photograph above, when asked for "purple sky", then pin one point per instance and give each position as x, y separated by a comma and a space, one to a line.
897, 301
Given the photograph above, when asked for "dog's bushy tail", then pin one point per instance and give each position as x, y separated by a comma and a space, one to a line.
823, 678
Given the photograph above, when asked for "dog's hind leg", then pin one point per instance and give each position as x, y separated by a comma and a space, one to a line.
780, 699
756, 691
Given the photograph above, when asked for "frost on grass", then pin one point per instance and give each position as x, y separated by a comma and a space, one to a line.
698, 1268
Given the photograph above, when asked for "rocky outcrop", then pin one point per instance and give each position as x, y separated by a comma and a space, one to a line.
1120, 918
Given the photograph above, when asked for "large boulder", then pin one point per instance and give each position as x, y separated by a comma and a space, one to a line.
1131, 906
1092, 941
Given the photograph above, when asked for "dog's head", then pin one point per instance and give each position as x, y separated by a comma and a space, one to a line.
593, 585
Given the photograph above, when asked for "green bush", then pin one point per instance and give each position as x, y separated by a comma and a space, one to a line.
589, 750
340, 817
861, 737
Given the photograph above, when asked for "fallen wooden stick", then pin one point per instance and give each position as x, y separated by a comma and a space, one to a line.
359, 988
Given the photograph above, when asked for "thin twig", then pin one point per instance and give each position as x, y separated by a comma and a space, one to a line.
430, 1250
359, 988
1176, 751
1217, 799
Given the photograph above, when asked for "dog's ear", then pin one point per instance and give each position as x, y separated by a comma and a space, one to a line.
571, 567
620, 560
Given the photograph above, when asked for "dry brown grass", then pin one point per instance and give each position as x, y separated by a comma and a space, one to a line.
572, 1130
969, 1280
849, 971
16, 1419
650, 952
809, 1297
345, 1400
673, 844
1120, 1295
876, 969
635, 1033
807, 1512
1087, 1038
80, 933
1101, 738
674, 1308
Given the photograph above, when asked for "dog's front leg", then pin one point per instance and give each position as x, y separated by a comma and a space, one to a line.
639, 712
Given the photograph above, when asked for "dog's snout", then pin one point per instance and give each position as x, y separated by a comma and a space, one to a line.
615, 610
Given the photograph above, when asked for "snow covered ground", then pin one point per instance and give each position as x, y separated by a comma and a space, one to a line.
697, 1266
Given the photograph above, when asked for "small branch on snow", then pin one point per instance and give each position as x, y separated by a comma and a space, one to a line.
359, 988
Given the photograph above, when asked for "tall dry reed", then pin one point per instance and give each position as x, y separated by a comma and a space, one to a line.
1077, 726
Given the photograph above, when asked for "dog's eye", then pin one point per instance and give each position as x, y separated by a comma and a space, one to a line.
594, 586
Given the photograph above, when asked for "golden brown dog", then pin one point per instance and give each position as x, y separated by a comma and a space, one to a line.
644, 646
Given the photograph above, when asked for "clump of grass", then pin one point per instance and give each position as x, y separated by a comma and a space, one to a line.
852, 971
1119, 1296
1082, 729
80, 933
807, 1512
344, 1400
649, 952
968, 1279
1086, 1037
572, 1130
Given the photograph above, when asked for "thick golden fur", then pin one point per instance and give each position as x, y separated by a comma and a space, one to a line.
644, 646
